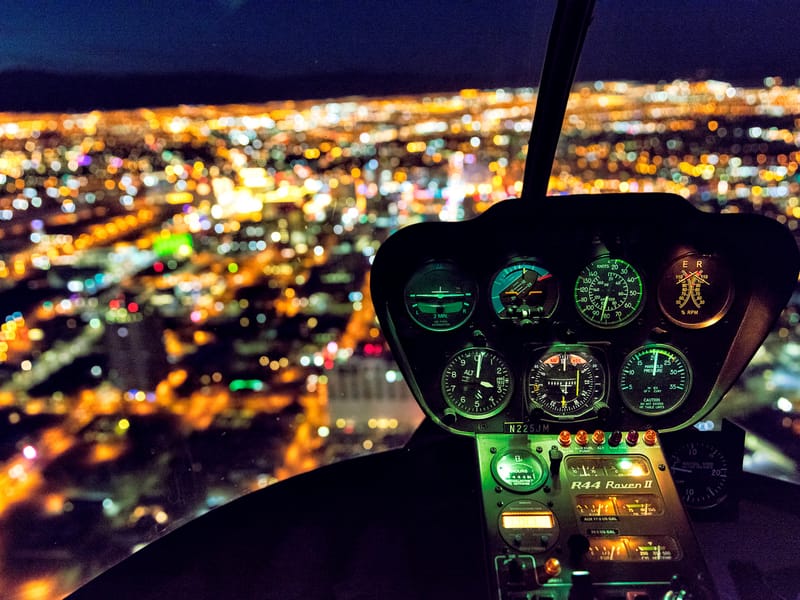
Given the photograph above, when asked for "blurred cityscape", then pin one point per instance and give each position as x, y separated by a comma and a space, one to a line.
184, 292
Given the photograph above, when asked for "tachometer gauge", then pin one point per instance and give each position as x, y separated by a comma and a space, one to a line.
655, 379
524, 292
439, 297
477, 383
696, 290
566, 382
609, 292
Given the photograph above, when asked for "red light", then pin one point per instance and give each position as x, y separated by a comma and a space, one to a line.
564, 438
114, 304
582, 438
158, 267
372, 349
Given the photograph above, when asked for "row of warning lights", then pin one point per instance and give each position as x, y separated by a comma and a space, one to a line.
614, 439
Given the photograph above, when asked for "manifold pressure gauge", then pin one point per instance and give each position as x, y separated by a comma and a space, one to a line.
655, 379
477, 383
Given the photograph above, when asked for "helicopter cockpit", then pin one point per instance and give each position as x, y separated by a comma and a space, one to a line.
561, 351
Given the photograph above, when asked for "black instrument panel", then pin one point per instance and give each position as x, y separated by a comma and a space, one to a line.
619, 311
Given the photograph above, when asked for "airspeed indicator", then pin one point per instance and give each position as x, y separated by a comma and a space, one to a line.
609, 292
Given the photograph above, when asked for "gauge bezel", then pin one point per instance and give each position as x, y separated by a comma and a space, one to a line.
667, 279
529, 458
455, 273
506, 397
494, 290
674, 405
597, 400
582, 308
722, 484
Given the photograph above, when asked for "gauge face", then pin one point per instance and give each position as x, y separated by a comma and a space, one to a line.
609, 292
519, 470
566, 383
696, 290
700, 472
524, 292
655, 379
439, 297
477, 383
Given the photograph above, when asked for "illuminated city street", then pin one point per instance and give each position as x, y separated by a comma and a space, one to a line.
182, 287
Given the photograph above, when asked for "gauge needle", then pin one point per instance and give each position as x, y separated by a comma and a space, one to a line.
578, 383
689, 276
478, 367
655, 363
603, 311
681, 469
486, 384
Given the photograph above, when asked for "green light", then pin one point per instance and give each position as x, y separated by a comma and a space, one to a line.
246, 384
177, 244
233, 268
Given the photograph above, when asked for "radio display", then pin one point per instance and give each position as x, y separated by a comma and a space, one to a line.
528, 520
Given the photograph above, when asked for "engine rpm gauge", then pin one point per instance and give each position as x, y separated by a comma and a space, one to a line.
696, 290
566, 382
609, 292
655, 379
524, 292
477, 383
439, 297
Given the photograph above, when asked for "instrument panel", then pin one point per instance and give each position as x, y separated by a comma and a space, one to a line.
613, 312
558, 507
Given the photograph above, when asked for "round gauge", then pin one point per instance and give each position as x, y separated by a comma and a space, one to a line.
519, 470
439, 297
477, 383
609, 292
696, 290
566, 383
524, 292
655, 379
700, 472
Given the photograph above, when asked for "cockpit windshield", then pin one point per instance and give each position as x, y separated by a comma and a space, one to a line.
191, 199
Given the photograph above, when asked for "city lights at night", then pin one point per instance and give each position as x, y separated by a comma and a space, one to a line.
195, 280
192, 202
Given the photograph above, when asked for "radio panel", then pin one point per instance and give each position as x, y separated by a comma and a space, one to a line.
600, 507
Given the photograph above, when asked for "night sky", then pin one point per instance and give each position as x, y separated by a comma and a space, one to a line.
630, 38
